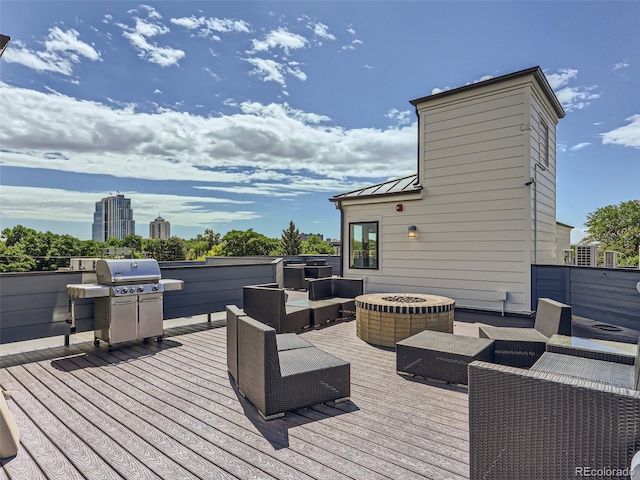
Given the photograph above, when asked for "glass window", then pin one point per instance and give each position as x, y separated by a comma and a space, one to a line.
363, 245
544, 144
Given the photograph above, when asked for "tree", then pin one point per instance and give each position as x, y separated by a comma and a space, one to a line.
616, 227
133, 241
313, 244
237, 243
291, 243
168, 250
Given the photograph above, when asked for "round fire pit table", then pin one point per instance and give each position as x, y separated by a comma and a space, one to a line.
386, 318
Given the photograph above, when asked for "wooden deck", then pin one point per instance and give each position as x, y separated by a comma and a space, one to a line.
170, 411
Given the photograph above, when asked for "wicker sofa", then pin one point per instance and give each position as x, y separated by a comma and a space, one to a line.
297, 276
522, 347
565, 417
341, 291
279, 373
267, 303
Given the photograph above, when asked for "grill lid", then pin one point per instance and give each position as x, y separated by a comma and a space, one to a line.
119, 272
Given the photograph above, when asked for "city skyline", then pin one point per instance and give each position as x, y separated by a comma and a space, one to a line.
237, 115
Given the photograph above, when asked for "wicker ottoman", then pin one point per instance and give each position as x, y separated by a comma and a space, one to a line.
441, 356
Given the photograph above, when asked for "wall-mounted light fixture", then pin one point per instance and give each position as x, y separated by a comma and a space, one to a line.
412, 231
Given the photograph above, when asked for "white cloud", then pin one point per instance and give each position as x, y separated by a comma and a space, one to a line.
62, 49
571, 97
51, 204
351, 30
280, 38
557, 80
156, 91
625, 136
399, 117
482, 79
439, 90
207, 27
620, 65
579, 146
322, 31
150, 51
268, 70
271, 71
169, 145
352, 45
151, 12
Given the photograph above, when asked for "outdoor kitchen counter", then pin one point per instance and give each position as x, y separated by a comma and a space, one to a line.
386, 318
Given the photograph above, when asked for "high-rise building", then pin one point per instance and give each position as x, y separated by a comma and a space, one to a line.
113, 218
159, 229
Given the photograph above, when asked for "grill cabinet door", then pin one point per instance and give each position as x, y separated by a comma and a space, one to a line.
150, 315
124, 319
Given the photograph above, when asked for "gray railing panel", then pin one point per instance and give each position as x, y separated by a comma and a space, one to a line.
607, 295
35, 304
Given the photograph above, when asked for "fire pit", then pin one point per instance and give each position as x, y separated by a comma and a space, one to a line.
386, 318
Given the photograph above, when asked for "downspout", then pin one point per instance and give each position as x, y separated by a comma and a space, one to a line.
339, 207
417, 182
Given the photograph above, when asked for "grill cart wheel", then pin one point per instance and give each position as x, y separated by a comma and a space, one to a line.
110, 348
159, 339
96, 342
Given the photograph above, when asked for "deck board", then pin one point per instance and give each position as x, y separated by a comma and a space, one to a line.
170, 410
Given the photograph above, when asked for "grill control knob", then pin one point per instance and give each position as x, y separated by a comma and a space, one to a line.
154, 288
125, 290
141, 288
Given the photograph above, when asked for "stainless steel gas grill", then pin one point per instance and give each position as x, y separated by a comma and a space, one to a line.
127, 300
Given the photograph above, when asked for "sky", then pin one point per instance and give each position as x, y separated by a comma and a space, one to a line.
230, 115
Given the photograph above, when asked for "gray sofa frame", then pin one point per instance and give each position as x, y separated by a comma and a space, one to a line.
522, 347
533, 425
279, 373
267, 303
341, 291
567, 414
297, 276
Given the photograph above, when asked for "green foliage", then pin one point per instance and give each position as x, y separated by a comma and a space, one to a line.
616, 227
171, 249
237, 243
25, 249
132, 241
290, 243
314, 245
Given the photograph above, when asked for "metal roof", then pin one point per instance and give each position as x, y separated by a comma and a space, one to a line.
399, 185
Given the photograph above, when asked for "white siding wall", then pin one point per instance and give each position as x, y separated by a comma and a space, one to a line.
474, 214
563, 243
543, 211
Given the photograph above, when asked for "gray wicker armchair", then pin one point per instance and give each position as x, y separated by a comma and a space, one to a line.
278, 378
267, 303
566, 416
522, 347
337, 292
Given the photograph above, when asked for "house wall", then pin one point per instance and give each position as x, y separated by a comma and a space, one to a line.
564, 241
543, 189
474, 214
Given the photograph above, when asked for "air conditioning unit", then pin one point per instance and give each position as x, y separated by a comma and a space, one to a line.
569, 257
83, 264
587, 255
610, 259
